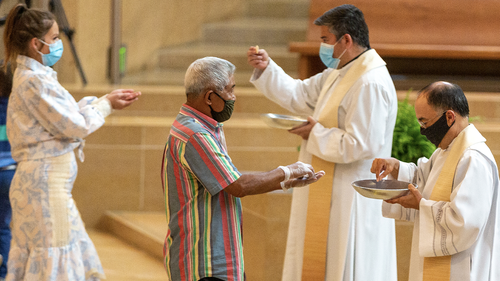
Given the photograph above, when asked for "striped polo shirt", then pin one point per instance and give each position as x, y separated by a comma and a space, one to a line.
204, 237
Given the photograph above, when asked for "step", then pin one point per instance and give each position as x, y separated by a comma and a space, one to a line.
176, 77
123, 159
256, 31
265, 226
122, 261
144, 230
166, 101
467, 83
278, 9
180, 57
252, 145
491, 132
265, 220
483, 106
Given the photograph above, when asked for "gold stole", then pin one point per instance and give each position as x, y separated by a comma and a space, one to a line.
318, 210
438, 268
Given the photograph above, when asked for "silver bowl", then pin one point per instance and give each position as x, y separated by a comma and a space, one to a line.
280, 121
384, 189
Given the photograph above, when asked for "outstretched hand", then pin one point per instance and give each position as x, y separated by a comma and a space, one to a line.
300, 170
303, 181
122, 98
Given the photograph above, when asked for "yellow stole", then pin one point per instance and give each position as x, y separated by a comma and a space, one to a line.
318, 210
438, 268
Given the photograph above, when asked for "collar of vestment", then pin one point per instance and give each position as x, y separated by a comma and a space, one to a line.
343, 71
349, 62
32, 64
467, 137
350, 74
200, 117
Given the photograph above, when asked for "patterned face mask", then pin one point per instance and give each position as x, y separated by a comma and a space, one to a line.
226, 113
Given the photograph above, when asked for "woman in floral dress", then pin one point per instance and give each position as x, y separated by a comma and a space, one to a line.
44, 125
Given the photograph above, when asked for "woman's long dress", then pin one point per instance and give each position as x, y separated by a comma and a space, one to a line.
44, 125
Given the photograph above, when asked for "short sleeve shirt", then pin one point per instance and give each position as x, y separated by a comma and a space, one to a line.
204, 237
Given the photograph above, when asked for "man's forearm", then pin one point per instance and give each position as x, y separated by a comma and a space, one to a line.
258, 183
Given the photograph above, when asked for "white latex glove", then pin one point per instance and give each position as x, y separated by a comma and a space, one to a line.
297, 170
300, 182
299, 174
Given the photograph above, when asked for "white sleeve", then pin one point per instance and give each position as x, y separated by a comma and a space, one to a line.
295, 95
447, 228
365, 127
60, 115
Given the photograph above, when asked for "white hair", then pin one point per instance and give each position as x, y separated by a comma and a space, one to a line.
208, 73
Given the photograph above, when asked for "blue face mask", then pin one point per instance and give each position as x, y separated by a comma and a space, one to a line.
326, 55
56, 51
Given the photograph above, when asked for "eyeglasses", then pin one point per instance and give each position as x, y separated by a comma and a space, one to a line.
423, 124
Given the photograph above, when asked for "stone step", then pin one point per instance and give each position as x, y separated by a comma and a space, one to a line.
467, 83
252, 145
256, 31
491, 131
122, 261
180, 57
166, 101
483, 106
243, 134
144, 230
265, 226
278, 9
123, 159
266, 222
176, 77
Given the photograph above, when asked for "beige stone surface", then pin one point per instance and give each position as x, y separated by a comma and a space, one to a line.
147, 25
107, 180
123, 262
154, 199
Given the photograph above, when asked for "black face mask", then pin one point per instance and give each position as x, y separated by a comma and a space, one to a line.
226, 112
437, 131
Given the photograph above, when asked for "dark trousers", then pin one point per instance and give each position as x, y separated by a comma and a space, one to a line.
5, 217
210, 279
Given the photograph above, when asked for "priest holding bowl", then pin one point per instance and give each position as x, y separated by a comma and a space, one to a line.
455, 207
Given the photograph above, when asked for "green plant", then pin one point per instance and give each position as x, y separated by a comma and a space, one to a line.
407, 143
476, 119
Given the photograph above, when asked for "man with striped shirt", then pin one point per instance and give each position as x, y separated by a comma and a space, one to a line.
202, 186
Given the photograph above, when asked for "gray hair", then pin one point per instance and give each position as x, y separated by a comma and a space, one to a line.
208, 73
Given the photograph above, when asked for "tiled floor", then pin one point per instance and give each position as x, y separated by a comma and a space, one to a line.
123, 262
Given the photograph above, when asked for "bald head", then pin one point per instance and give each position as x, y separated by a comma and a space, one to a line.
443, 96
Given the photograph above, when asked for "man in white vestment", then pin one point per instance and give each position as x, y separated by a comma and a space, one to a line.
455, 205
357, 91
